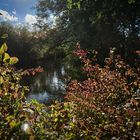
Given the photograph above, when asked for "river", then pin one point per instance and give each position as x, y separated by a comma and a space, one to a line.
48, 85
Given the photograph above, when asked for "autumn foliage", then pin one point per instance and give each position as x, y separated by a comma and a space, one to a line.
106, 105
108, 101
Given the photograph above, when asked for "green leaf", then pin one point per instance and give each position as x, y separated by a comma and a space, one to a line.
131, 1
6, 57
56, 119
69, 4
72, 124
8, 118
99, 15
12, 123
4, 47
0, 57
4, 36
13, 60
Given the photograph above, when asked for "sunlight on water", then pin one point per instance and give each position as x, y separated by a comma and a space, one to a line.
39, 97
47, 86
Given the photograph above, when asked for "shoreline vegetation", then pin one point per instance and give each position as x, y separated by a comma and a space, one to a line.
99, 41
103, 106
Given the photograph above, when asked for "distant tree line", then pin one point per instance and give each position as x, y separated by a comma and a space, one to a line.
22, 43
31, 47
96, 24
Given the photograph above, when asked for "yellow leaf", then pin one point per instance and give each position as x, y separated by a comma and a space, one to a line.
4, 47
9, 118
13, 60
6, 57
31, 138
12, 123
1, 51
138, 123
135, 83
1, 80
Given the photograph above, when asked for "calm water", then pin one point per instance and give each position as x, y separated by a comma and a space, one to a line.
48, 85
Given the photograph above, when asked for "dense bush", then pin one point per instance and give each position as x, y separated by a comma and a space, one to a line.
17, 116
108, 102
104, 106
28, 120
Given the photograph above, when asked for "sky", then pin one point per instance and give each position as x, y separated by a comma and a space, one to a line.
18, 11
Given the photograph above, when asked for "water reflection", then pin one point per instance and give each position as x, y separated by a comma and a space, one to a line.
47, 86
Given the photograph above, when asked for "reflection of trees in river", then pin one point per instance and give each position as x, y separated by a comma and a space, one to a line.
52, 82
48, 85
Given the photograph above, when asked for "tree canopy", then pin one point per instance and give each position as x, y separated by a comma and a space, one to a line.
96, 24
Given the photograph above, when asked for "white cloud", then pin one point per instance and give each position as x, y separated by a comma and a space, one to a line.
7, 17
30, 19
52, 20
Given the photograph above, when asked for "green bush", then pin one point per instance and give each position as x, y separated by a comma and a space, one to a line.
17, 116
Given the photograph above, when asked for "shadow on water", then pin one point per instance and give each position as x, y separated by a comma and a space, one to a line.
47, 86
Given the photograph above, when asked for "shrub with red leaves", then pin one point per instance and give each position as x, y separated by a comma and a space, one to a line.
33, 71
108, 101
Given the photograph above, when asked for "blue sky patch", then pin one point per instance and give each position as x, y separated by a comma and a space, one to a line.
17, 9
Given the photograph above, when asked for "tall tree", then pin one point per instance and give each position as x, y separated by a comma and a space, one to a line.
97, 24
